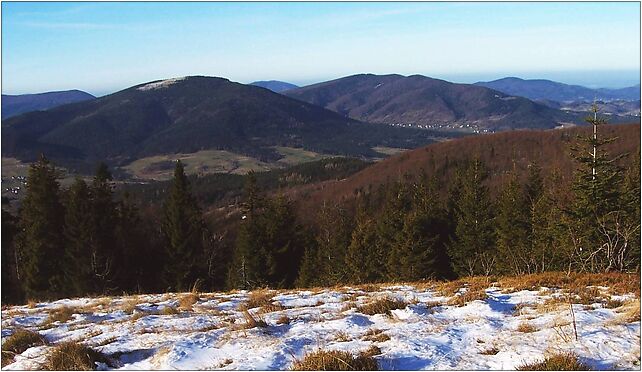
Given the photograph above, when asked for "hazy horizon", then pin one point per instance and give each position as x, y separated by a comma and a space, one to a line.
105, 47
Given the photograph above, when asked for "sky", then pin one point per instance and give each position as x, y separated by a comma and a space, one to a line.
104, 47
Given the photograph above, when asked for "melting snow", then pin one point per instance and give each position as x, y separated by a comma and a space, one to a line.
427, 334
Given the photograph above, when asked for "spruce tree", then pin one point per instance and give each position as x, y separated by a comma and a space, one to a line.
333, 238
363, 261
512, 229
389, 229
473, 248
79, 230
248, 268
597, 197
182, 227
41, 241
11, 291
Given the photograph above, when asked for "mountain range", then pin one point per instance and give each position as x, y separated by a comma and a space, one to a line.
539, 89
190, 114
422, 101
274, 85
13, 105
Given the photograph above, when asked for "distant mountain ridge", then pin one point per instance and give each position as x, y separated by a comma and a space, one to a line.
13, 105
541, 89
274, 85
191, 114
428, 102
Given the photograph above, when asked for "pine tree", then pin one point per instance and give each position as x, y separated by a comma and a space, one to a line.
389, 229
332, 240
472, 250
41, 240
182, 228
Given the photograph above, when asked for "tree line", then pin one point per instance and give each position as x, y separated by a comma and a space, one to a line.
82, 241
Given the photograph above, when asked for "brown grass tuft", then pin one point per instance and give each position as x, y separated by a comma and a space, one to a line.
73, 356
258, 298
342, 337
472, 294
335, 360
557, 362
628, 313
187, 301
382, 306
18, 342
31, 304
490, 351
283, 319
375, 335
252, 322
526, 328
169, 310
61, 315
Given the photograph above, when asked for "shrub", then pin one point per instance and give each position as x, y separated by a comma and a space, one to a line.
335, 360
18, 342
73, 356
382, 306
557, 362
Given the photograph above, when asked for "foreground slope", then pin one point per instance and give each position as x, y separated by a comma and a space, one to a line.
13, 105
186, 115
465, 325
423, 101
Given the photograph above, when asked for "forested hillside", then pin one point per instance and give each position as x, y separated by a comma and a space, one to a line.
510, 203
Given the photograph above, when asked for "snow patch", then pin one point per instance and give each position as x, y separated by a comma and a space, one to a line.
160, 84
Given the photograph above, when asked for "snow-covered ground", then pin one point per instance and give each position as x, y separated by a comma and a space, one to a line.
427, 334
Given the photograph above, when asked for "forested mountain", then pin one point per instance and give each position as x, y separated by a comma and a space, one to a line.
274, 85
541, 89
13, 105
191, 114
420, 100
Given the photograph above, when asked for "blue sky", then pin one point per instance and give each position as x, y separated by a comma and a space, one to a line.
104, 47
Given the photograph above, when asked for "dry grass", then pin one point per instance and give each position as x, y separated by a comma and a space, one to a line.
490, 351
18, 342
613, 304
283, 319
526, 328
552, 304
31, 304
169, 310
73, 356
342, 337
370, 287
375, 335
335, 360
618, 283
187, 301
382, 306
629, 312
348, 305
557, 362
62, 315
252, 322
258, 298
128, 306
271, 307
471, 294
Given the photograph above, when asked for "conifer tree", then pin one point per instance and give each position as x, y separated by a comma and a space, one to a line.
363, 261
41, 240
597, 197
389, 229
182, 228
512, 229
473, 248
333, 238
248, 268
11, 291
79, 230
